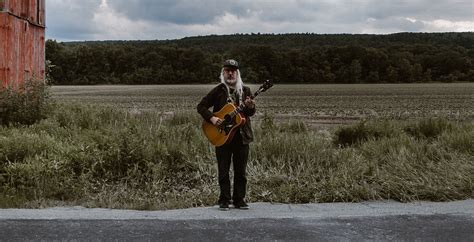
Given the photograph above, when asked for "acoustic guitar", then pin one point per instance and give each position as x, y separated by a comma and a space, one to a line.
232, 119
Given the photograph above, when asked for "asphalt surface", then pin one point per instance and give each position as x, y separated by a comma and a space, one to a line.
426, 221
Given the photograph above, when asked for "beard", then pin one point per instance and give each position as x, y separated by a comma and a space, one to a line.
235, 83
231, 81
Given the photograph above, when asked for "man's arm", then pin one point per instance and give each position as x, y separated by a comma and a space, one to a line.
207, 102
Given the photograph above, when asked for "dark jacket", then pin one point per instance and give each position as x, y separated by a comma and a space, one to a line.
217, 98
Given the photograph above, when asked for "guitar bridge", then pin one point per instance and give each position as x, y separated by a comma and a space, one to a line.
225, 127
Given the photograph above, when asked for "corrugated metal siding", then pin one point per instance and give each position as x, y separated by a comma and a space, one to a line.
31, 10
21, 41
41, 13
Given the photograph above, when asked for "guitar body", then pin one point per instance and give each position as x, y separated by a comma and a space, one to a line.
232, 119
218, 136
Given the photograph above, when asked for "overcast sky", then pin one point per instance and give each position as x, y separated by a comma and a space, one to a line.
172, 19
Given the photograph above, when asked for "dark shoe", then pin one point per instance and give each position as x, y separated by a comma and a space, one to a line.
224, 206
241, 205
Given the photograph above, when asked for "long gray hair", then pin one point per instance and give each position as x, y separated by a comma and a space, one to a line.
239, 85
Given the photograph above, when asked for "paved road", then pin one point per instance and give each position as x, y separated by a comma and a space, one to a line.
452, 221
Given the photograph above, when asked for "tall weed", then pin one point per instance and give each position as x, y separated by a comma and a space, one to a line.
106, 157
428, 128
25, 104
363, 131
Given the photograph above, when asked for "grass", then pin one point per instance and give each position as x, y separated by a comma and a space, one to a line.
25, 104
99, 156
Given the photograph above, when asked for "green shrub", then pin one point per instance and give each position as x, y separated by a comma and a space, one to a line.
363, 131
41, 178
18, 145
293, 126
460, 139
267, 124
26, 104
428, 128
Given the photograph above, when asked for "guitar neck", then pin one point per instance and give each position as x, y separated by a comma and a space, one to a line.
240, 108
263, 88
256, 93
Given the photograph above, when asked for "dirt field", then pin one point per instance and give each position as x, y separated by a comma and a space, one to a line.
316, 105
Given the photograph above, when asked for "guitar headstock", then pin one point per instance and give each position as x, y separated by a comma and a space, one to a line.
266, 85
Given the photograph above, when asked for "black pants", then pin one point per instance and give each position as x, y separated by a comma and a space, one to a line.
238, 153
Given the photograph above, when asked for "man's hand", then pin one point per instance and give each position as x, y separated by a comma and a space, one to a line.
249, 103
216, 121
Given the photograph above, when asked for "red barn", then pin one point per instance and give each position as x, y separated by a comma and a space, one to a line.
22, 28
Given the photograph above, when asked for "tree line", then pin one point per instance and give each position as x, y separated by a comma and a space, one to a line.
284, 58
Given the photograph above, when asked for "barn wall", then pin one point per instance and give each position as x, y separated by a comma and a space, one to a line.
22, 39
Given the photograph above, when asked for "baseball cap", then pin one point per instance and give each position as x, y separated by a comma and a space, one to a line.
231, 63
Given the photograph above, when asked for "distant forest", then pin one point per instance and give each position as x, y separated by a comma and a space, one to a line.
284, 58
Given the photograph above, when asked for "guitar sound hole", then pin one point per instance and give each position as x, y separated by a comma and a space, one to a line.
227, 124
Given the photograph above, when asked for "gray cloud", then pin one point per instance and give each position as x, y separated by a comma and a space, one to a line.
397, 24
163, 19
69, 19
205, 11
456, 10
175, 11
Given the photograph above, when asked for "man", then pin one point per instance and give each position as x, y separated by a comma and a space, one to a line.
231, 89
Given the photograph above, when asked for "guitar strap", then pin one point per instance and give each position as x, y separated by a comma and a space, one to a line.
232, 98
